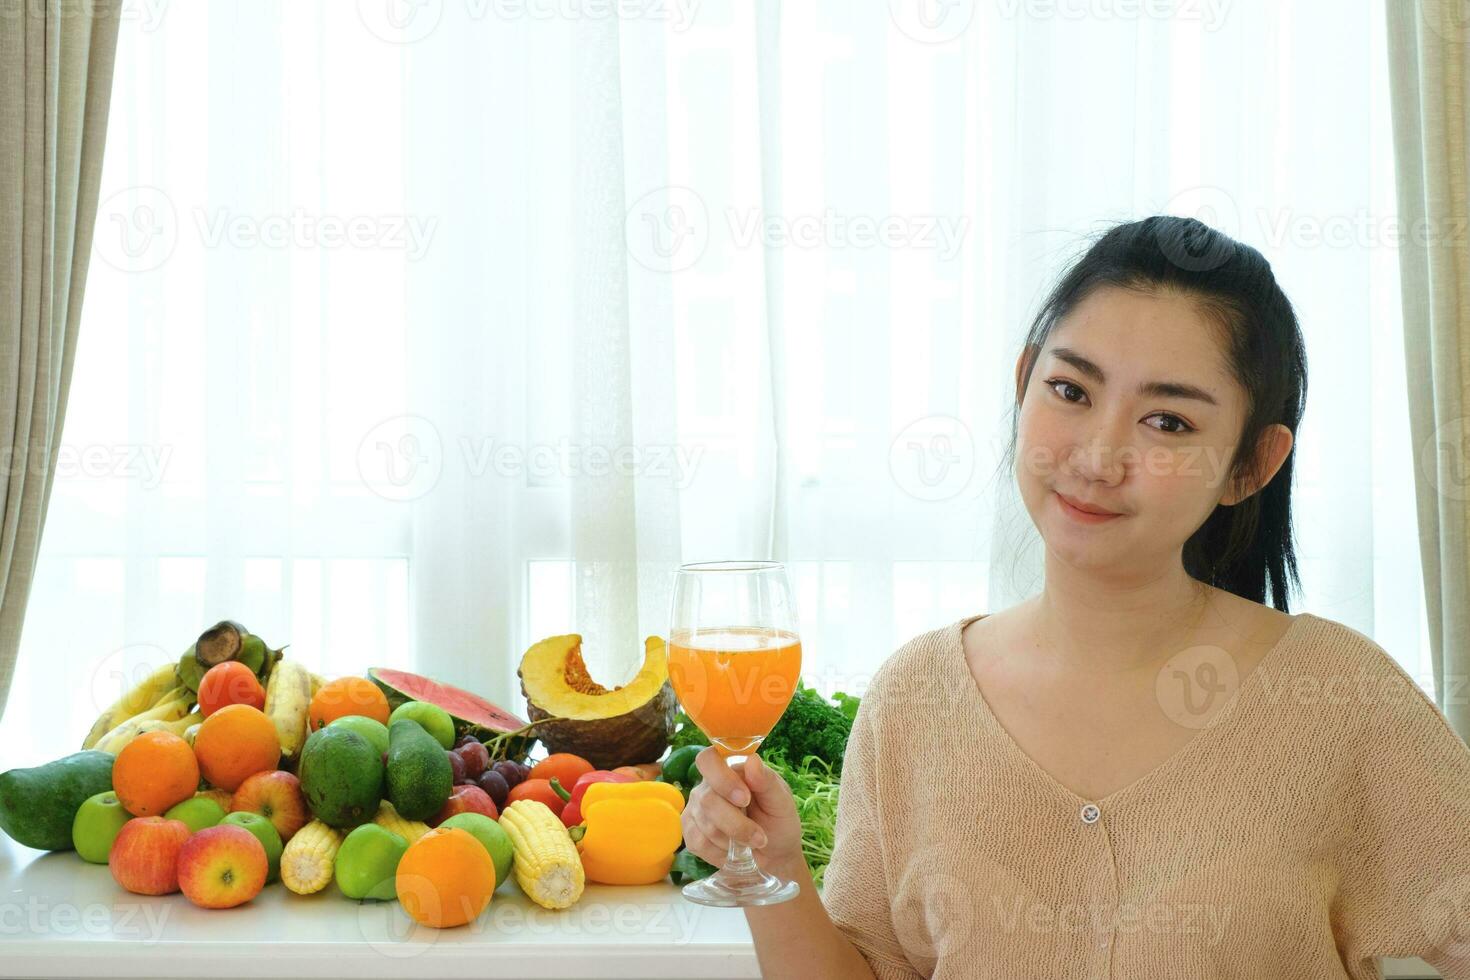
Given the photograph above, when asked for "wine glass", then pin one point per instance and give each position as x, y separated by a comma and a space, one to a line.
734, 662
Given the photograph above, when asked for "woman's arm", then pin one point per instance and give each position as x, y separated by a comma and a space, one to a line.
797, 939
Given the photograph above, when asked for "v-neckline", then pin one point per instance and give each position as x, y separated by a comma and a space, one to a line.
1225, 714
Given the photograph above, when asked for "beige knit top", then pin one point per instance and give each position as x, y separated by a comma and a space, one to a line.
1320, 820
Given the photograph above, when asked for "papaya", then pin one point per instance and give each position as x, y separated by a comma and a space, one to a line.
420, 777
341, 777
38, 805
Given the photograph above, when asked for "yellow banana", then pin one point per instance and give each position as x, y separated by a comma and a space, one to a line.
287, 698
147, 693
317, 680
119, 737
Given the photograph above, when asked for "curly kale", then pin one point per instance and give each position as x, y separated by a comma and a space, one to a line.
813, 726
686, 732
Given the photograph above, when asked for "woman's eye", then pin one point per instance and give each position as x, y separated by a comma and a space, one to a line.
1065, 384
1175, 425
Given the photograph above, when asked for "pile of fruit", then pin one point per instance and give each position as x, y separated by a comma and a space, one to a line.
237, 767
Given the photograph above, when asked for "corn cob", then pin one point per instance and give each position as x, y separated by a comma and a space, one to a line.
547, 865
166, 715
389, 819
150, 691
307, 862
287, 698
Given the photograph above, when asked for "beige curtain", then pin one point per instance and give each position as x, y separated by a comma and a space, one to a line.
55, 79
1426, 52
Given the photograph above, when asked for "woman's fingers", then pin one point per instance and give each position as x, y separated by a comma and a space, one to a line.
718, 775
720, 820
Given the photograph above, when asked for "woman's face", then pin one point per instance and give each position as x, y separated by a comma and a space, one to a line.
1130, 409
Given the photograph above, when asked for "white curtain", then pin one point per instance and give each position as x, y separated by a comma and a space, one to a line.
421, 332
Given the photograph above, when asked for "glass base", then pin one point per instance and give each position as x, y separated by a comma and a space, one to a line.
725, 889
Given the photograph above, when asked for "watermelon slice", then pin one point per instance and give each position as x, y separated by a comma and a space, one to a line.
472, 714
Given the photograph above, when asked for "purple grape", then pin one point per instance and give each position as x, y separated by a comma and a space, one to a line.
476, 757
456, 763
494, 785
510, 772
467, 740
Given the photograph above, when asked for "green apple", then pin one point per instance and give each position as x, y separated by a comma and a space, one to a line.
367, 862
96, 826
434, 720
197, 811
369, 728
266, 832
491, 836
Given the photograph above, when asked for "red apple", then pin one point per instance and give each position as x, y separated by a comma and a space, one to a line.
222, 866
467, 798
144, 855
275, 795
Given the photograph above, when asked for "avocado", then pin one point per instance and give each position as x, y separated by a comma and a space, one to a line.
420, 777
38, 805
341, 777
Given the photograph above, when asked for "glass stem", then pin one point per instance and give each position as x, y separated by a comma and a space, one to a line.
739, 861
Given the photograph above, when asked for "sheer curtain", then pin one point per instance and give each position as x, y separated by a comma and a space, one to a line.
422, 332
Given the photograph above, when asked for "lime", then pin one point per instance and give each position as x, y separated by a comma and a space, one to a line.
369, 728
367, 862
491, 836
432, 718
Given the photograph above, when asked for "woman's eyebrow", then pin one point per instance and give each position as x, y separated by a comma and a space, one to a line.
1158, 389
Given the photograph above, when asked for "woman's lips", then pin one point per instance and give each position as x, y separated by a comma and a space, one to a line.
1082, 516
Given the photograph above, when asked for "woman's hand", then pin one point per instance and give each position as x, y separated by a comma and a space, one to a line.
717, 811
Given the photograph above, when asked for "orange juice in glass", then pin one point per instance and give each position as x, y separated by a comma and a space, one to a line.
734, 660
734, 682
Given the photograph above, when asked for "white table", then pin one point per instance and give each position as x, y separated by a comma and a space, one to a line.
62, 917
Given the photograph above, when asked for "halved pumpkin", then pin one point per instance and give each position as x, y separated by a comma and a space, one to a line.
609, 728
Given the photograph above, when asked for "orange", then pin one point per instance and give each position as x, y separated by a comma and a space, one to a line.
565, 766
153, 772
229, 683
346, 696
235, 743
445, 878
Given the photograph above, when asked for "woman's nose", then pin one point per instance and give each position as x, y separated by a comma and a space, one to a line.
1101, 454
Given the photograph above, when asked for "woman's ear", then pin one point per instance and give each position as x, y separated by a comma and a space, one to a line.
1271, 451
1028, 352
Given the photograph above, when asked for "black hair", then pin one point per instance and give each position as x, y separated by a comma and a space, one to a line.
1246, 547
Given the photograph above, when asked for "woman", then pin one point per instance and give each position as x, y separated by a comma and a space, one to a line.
1143, 771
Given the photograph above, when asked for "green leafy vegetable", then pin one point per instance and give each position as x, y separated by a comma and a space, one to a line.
686, 732
811, 725
814, 785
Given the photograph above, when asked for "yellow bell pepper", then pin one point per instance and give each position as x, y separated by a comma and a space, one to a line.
630, 832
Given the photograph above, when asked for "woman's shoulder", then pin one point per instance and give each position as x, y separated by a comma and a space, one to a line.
1350, 674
